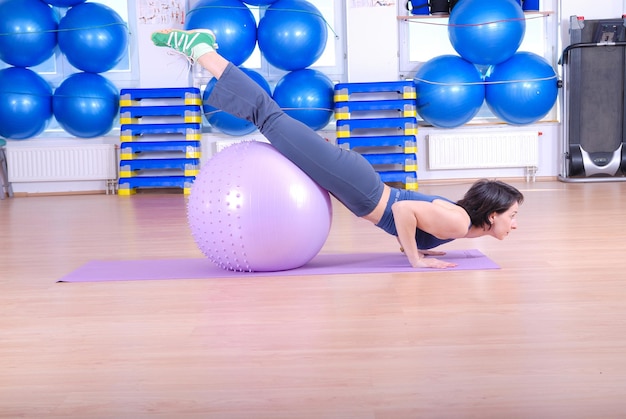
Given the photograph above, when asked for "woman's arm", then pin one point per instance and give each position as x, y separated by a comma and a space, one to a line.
440, 218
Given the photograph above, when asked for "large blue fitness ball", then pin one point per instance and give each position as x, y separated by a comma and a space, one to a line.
225, 122
306, 95
522, 89
25, 103
259, 2
233, 24
93, 37
86, 104
449, 91
292, 34
486, 32
28, 32
64, 3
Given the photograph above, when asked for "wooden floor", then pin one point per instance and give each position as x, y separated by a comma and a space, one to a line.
543, 337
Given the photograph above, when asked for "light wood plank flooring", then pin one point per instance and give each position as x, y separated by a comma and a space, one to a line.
543, 337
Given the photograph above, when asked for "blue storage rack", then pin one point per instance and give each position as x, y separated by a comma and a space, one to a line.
379, 120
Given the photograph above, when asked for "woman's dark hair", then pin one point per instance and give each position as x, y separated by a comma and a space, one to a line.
486, 197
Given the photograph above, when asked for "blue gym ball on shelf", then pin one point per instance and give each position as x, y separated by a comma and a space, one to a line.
486, 32
306, 95
86, 104
522, 89
28, 32
292, 34
450, 91
25, 103
93, 37
233, 24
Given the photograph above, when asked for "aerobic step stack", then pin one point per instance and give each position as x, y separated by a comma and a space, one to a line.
160, 143
379, 120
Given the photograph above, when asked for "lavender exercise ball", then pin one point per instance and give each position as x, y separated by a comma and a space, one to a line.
251, 209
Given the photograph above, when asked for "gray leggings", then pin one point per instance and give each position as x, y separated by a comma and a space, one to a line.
343, 173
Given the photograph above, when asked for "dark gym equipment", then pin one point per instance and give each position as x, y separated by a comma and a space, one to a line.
594, 102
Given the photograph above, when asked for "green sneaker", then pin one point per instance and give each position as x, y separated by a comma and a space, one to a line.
193, 44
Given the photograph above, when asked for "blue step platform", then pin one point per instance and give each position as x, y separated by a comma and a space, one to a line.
184, 95
139, 132
133, 168
145, 149
366, 108
408, 179
186, 113
400, 126
406, 143
129, 186
390, 161
403, 89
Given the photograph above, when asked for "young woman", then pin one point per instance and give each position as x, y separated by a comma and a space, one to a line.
420, 222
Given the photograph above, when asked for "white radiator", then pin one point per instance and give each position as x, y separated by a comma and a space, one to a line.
483, 150
62, 163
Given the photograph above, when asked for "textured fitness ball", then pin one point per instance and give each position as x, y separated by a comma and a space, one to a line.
25, 103
93, 37
486, 32
223, 121
86, 104
522, 89
233, 24
251, 209
292, 34
306, 95
28, 31
449, 90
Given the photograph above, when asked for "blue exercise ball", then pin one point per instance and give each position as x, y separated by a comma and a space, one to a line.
450, 91
28, 32
486, 32
306, 95
93, 37
25, 103
233, 24
259, 2
64, 3
522, 89
225, 122
86, 104
292, 34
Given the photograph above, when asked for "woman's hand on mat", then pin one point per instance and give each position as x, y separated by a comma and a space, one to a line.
433, 263
424, 253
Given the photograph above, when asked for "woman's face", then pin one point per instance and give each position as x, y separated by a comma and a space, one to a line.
502, 224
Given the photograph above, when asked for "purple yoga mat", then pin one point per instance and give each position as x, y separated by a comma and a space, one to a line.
323, 264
